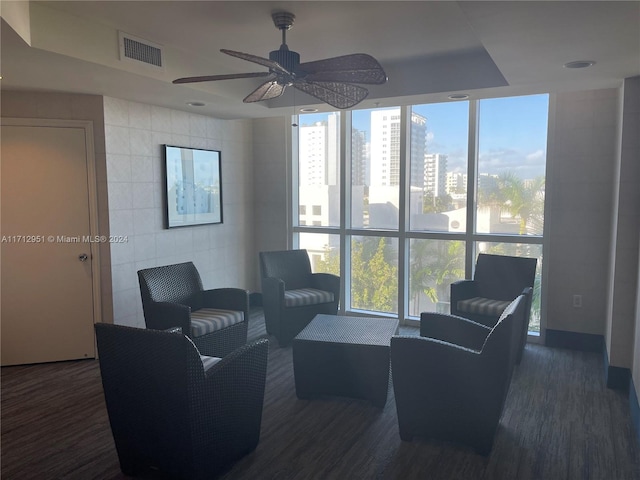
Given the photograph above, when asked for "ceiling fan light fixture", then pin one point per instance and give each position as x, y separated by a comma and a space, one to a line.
579, 64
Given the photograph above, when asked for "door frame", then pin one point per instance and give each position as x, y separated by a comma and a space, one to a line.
94, 231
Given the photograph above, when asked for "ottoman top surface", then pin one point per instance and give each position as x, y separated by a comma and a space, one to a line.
351, 330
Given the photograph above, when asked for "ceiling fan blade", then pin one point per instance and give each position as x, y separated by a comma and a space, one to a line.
355, 68
274, 66
266, 91
211, 78
336, 94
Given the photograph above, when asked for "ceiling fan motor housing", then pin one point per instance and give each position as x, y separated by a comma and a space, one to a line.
288, 59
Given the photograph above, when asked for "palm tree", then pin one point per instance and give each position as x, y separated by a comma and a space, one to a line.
434, 265
521, 199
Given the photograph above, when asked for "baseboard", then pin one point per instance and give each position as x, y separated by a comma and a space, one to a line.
574, 340
634, 406
617, 378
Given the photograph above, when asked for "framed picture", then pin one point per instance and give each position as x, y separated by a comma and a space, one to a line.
193, 193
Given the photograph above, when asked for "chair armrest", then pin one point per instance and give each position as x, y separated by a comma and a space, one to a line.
247, 363
227, 299
427, 363
326, 281
173, 330
453, 329
430, 363
462, 289
165, 315
230, 399
431, 376
273, 289
413, 342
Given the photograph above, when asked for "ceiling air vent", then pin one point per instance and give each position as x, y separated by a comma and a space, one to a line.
138, 50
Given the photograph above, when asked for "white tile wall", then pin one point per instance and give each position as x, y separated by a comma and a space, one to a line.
222, 253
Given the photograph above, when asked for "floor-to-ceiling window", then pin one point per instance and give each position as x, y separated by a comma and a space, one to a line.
399, 200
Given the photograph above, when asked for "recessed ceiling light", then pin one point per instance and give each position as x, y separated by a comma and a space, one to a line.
579, 64
458, 96
309, 110
196, 104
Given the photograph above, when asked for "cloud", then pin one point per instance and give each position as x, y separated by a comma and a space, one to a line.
537, 155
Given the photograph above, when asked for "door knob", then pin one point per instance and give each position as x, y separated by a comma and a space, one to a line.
83, 257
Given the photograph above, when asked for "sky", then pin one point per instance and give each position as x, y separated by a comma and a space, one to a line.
512, 133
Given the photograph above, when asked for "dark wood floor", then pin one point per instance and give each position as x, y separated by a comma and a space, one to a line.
560, 422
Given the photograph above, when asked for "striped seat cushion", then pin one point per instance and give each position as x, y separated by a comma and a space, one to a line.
207, 320
306, 296
483, 306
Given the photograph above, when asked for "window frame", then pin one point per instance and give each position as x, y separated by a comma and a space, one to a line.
403, 234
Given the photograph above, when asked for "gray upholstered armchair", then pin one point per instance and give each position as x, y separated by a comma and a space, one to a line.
173, 410
292, 295
173, 296
451, 383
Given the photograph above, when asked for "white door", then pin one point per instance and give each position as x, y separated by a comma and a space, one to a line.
47, 297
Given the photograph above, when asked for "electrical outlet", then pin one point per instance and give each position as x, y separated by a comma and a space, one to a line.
577, 301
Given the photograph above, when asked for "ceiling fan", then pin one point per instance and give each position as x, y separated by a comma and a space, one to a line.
330, 80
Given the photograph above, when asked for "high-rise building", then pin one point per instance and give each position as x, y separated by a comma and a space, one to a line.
418, 149
385, 151
319, 152
359, 163
456, 182
385, 148
313, 154
435, 174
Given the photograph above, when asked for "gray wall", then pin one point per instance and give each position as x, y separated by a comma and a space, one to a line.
580, 183
593, 217
623, 341
271, 161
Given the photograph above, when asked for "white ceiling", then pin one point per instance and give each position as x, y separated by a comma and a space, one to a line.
429, 49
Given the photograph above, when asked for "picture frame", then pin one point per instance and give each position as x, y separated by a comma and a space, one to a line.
193, 187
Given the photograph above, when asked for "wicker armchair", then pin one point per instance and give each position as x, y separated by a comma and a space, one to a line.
453, 385
292, 295
172, 410
497, 280
173, 296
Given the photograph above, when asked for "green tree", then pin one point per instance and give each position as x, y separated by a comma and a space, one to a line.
521, 199
436, 204
374, 275
435, 264
330, 262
